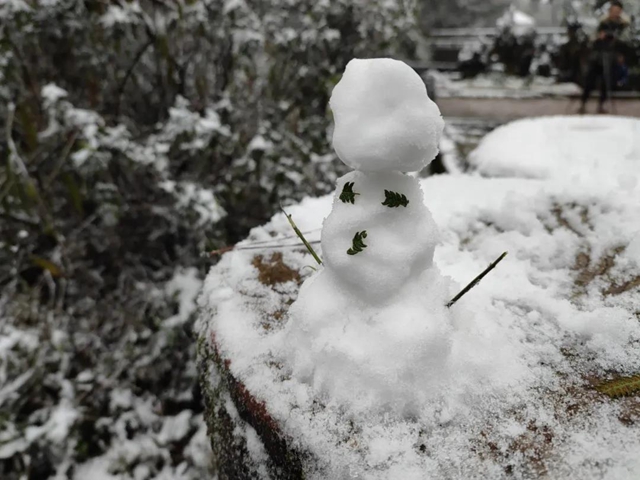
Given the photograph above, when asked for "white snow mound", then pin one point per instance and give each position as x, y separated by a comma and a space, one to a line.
384, 118
501, 385
580, 150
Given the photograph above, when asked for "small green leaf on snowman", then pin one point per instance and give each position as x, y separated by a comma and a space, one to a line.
358, 243
394, 199
348, 195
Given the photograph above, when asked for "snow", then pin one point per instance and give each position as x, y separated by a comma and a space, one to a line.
581, 149
90, 123
51, 93
509, 382
202, 200
400, 241
142, 438
97, 138
371, 330
10, 6
61, 421
633, 250
126, 13
186, 285
519, 22
183, 120
521, 18
259, 143
230, 5
497, 85
384, 116
12, 338
255, 448
97, 469
175, 428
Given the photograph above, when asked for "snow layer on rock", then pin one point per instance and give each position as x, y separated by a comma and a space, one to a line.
384, 119
577, 149
561, 313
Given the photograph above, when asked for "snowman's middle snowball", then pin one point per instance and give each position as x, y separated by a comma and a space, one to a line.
399, 242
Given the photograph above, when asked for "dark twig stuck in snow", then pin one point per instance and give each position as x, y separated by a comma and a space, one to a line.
476, 280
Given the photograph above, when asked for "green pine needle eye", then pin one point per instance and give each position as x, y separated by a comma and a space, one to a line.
394, 199
358, 243
348, 195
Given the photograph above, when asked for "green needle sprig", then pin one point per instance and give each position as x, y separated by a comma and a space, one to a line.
394, 199
348, 195
358, 243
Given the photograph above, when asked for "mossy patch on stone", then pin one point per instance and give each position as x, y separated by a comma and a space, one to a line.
274, 270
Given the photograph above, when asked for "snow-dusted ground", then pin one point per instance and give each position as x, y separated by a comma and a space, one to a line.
498, 85
566, 300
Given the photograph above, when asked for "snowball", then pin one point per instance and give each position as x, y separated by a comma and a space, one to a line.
400, 241
398, 358
384, 119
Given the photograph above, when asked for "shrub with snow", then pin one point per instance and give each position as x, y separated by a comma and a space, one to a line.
138, 135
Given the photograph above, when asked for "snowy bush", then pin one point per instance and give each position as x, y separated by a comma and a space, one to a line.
140, 134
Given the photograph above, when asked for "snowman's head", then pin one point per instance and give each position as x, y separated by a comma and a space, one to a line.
384, 119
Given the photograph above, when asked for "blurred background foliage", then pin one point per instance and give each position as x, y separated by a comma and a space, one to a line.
137, 135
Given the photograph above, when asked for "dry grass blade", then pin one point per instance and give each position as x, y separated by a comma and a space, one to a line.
620, 387
259, 246
301, 236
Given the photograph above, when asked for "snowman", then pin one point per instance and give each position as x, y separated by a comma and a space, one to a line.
371, 328
380, 235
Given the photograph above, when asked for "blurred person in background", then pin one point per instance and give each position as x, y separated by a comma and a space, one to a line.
607, 59
571, 54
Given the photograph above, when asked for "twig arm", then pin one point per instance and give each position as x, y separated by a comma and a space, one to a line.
301, 236
476, 280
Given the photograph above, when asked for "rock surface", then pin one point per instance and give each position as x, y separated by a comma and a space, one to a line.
568, 293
